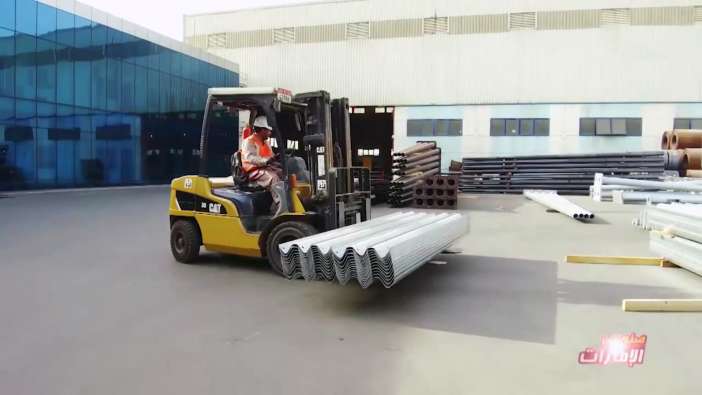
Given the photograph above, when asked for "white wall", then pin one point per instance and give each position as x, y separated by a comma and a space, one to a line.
564, 134
620, 64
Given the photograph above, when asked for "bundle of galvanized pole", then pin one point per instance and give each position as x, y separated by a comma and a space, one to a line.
567, 174
684, 147
437, 192
410, 167
633, 191
676, 233
384, 250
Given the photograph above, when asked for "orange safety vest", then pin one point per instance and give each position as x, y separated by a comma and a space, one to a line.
263, 150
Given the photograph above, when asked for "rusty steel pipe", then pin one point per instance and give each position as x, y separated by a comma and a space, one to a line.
686, 138
694, 158
665, 140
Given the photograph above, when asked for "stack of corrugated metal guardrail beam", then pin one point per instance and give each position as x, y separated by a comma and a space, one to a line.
676, 233
383, 250
410, 167
437, 192
567, 174
633, 191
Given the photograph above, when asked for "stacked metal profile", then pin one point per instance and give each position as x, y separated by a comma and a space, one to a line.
380, 184
685, 149
410, 167
676, 233
552, 200
383, 250
567, 174
627, 190
437, 192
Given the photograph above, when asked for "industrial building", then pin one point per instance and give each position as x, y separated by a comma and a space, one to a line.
483, 78
88, 99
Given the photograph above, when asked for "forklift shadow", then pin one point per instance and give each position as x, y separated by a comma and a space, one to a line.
217, 260
476, 295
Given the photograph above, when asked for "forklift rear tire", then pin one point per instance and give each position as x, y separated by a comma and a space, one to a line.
283, 233
185, 241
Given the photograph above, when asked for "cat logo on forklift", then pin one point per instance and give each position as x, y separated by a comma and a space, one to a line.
214, 208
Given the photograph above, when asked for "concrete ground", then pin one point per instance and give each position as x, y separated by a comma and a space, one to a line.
91, 302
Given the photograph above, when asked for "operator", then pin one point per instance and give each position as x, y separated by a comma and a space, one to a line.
259, 163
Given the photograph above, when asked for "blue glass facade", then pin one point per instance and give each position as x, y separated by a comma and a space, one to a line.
83, 104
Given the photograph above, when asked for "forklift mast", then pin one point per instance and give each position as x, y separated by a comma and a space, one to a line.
344, 189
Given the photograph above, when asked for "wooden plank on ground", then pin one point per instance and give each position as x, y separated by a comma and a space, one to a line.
662, 305
615, 260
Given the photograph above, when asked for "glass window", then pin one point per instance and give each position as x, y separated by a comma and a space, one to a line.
26, 67
82, 32
7, 62
82, 77
99, 34
687, 123
114, 43
7, 16
65, 28
619, 126
114, 85
127, 87
610, 126
542, 127
7, 108
587, 126
603, 126
64, 75
46, 70
448, 127
25, 113
140, 89
177, 64
27, 17
153, 93
420, 127
164, 60
511, 127
633, 126
143, 51
164, 96
526, 127
497, 127
99, 83
46, 22
154, 52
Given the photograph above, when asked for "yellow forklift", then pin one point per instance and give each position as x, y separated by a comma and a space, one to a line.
321, 190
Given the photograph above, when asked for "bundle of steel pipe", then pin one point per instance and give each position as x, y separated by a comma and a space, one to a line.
410, 166
383, 250
567, 174
556, 202
676, 233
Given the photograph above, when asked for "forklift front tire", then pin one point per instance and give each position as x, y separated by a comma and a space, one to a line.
185, 241
283, 233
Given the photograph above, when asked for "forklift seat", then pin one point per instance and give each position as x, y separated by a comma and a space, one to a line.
240, 178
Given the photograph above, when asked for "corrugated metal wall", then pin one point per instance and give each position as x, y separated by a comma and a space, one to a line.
389, 52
